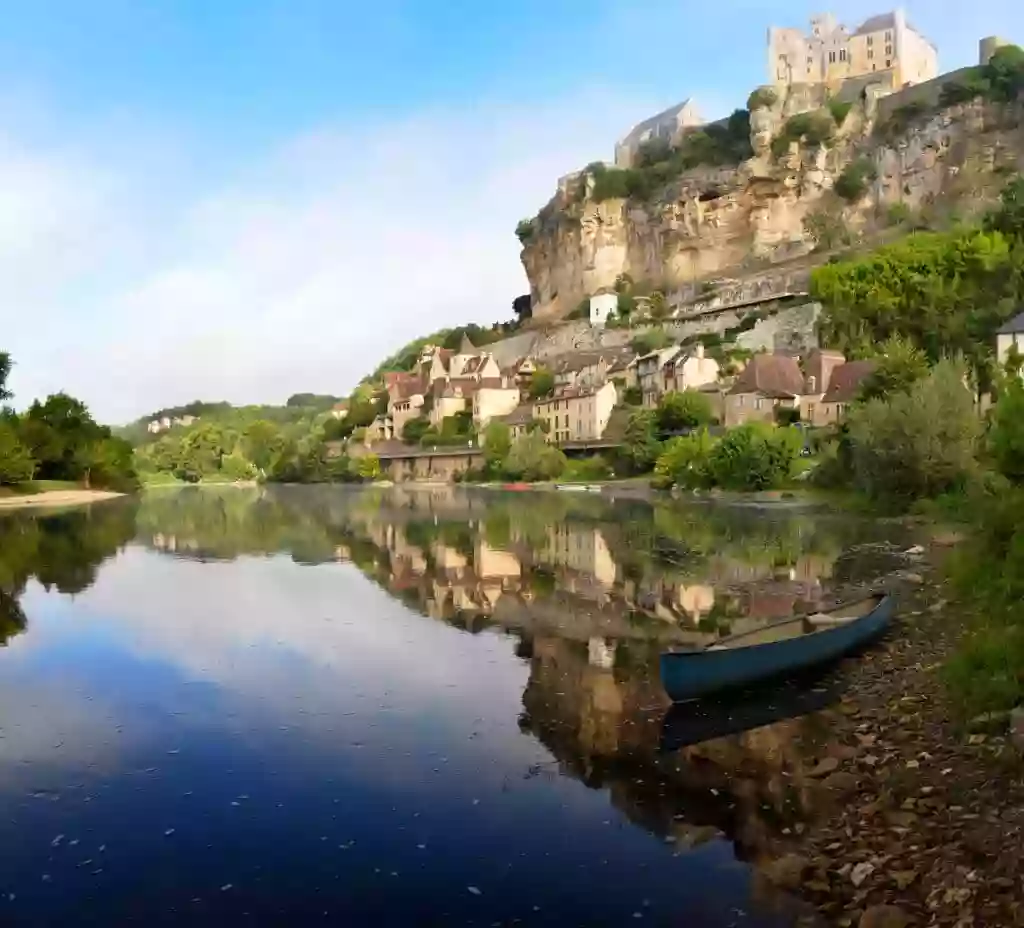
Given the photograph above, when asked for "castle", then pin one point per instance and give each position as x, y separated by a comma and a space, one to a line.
886, 48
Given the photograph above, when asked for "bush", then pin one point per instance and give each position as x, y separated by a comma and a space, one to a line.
761, 98
684, 461
632, 396
640, 446
525, 229
686, 410
900, 364
650, 340
532, 458
839, 110
16, 463
965, 89
919, 444
853, 182
414, 430
1006, 433
814, 129
754, 456
897, 214
585, 469
827, 228
542, 383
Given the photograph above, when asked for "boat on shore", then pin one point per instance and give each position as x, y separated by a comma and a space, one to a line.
776, 650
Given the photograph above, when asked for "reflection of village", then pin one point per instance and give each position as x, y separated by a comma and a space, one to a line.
567, 576
592, 592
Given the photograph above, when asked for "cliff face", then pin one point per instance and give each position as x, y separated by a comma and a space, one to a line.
734, 222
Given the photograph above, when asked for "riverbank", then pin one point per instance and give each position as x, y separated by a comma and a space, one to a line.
917, 815
55, 498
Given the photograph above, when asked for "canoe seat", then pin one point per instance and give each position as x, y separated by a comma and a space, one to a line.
825, 620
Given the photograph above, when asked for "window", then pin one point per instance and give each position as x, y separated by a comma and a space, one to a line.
888, 35
888, 49
831, 57
871, 53
842, 54
871, 40
888, 62
757, 403
810, 411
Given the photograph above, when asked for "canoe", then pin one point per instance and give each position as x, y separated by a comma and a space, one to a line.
776, 650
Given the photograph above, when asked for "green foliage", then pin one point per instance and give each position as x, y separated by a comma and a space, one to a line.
525, 229
1006, 431
686, 410
684, 461
5, 372
542, 383
235, 467
583, 470
532, 458
827, 227
650, 340
964, 89
1001, 80
762, 97
918, 444
368, 467
853, 182
901, 119
414, 430
755, 456
632, 396
815, 129
640, 446
497, 443
658, 164
322, 401
657, 306
947, 293
899, 365
839, 110
16, 462
1008, 219
897, 214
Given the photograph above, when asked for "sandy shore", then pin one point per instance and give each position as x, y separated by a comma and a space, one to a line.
56, 498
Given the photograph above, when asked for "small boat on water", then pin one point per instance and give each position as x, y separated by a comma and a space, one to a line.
517, 486
578, 487
776, 650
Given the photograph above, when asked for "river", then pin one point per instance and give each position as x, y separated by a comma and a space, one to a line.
306, 705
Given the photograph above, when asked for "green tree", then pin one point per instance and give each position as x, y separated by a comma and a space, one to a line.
899, 365
651, 340
755, 456
542, 383
368, 467
686, 410
497, 443
532, 458
16, 463
5, 372
657, 306
684, 461
262, 443
918, 444
640, 445
414, 430
1006, 432
853, 182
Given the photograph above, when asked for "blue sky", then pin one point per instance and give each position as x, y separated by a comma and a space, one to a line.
242, 199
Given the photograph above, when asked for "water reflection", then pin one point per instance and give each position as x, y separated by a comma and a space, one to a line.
235, 658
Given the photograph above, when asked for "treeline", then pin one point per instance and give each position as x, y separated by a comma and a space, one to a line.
57, 439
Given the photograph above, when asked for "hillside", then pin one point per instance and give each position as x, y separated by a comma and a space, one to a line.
793, 175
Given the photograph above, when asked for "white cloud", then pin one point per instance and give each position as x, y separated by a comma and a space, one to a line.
316, 261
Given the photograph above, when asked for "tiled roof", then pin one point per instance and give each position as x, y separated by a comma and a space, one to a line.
1014, 326
572, 393
773, 375
877, 24
521, 415
846, 380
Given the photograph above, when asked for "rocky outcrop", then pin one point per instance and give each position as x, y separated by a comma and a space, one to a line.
741, 221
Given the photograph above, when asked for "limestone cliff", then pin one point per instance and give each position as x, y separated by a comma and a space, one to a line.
751, 219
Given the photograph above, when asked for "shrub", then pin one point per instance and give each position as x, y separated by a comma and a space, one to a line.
762, 97
525, 229
632, 396
532, 458
542, 383
853, 182
684, 461
650, 340
640, 446
1006, 433
826, 227
686, 410
900, 364
754, 456
897, 214
839, 110
814, 129
919, 444
368, 467
592, 468
414, 430
964, 89
16, 463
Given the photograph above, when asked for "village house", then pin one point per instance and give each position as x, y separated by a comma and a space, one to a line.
649, 373
519, 421
768, 382
688, 370
1010, 337
817, 368
492, 401
843, 389
583, 368
577, 413
340, 410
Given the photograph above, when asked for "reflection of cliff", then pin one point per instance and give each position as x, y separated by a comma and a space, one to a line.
603, 726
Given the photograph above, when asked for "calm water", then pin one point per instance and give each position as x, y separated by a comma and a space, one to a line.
316, 705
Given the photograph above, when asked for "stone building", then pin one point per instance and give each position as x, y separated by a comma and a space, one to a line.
667, 126
887, 45
578, 413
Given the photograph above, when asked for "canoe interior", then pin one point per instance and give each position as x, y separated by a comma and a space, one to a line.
798, 626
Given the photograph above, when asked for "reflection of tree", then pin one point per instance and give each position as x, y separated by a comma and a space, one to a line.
60, 550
